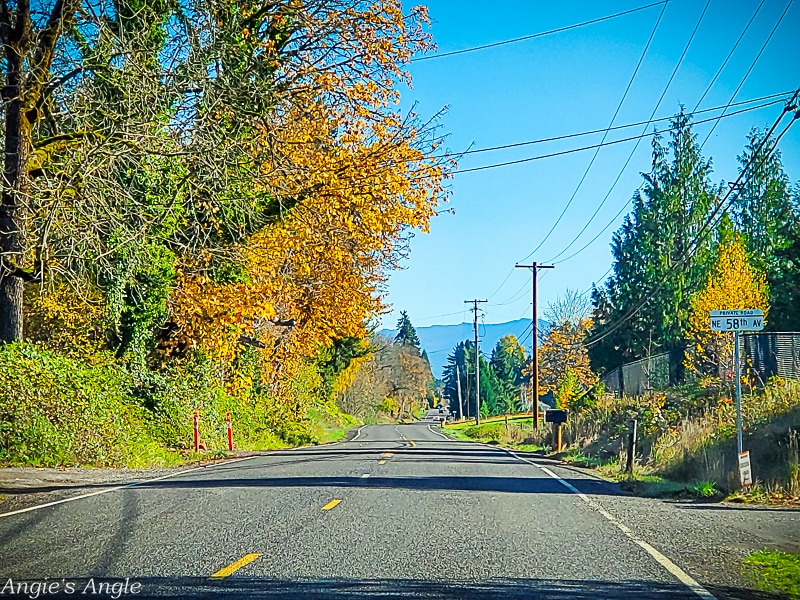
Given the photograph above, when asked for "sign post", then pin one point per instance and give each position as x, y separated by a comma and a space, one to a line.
230, 431
737, 321
196, 433
557, 417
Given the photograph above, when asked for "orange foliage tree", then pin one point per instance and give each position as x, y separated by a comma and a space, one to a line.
564, 367
356, 178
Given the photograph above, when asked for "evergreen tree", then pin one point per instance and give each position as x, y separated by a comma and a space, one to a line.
784, 281
463, 357
456, 366
763, 212
762, 207
655, 248
508, 359
406, 334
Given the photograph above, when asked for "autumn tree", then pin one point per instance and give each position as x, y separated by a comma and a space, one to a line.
390, 378
137, 128
733, 284
564, 367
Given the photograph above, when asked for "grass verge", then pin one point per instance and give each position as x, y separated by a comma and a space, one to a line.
775, 572
512, 436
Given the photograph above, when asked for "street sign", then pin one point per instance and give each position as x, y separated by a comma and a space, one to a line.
737, 320
745, 474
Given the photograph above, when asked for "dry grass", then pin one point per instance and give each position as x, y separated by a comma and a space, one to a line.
689, 435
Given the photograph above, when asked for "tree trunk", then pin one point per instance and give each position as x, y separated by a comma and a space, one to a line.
13, 206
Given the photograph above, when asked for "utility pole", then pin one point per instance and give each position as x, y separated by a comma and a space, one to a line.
458, 385
477, 360
534, 267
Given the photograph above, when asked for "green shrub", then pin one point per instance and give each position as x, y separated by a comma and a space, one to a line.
60, 411
704, 489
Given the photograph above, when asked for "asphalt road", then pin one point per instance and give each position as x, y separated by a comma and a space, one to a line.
417, 516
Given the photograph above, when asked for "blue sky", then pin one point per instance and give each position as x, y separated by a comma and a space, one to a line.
560, 84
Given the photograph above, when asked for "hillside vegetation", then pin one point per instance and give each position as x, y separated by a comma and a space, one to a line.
200, 211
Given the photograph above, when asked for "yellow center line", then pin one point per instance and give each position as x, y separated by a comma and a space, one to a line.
331, 504
381, 462
233, 567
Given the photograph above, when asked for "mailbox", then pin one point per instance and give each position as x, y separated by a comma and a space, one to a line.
556, 416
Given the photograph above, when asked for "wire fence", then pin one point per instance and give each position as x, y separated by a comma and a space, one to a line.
638, 377
764, 355
772, 354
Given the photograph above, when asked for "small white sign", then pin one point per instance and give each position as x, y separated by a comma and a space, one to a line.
737, 320
745, 474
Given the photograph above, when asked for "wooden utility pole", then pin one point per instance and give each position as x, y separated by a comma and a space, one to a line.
534, 267
477, 361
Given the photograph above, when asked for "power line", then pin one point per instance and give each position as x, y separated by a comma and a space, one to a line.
730, 54
752, 66
614, 128
651, 120
636, 146
724, 204
605, 134
708, 88
695, 111
611, 143
537, 35
500, 287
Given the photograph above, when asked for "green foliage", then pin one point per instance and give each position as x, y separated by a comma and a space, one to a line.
138, 297
784, 279
654, 250
508, 359
762, 210
334, 360
569, 390
58, 411
486, 431
775, 572
462, 361
703, 489
406, 334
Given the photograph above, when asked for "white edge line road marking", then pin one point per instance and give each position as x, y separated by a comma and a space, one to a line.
120, 487
665, 562
358, 433
438, 433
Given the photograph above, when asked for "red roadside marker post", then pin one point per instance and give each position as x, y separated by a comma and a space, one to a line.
230, 431
196, 432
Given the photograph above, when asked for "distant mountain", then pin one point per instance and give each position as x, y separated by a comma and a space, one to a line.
439, 340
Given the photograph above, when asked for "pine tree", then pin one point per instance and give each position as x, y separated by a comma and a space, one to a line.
508, 359
656, 253
764, 213
406, 334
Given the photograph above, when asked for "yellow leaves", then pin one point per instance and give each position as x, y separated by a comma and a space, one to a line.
734, 284
64, 320
562, 356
